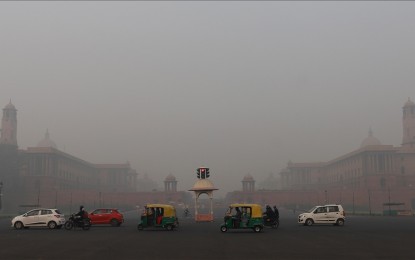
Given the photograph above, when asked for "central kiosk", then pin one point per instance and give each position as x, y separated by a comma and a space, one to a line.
203, 186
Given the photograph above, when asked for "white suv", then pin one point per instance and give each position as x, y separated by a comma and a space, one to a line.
327, 214
51, 218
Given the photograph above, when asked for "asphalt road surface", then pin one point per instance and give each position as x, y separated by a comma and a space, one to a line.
360, 238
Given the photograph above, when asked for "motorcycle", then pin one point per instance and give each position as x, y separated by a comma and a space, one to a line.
271, 221
74, 221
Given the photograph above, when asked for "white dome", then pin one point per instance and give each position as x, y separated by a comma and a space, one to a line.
203, 184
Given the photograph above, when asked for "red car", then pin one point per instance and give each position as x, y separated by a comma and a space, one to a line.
106, 216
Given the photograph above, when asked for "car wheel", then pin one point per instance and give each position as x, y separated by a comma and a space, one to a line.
257, 229
340, 222
169, 227
114, 222
309, 222
18, 225
52, 225
223, 229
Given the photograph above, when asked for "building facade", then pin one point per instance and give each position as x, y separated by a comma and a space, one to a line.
45, 176
370, 178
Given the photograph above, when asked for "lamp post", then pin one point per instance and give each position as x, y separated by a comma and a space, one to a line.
353, 204
56, 196
370, 207
325, 194
1, 194
389, 198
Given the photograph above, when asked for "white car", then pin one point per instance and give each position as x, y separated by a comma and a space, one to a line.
51, 218
327, 214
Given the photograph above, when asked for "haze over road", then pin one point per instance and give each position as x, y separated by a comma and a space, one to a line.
360, 238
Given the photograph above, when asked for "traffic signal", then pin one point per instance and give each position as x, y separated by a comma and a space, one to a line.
203, 173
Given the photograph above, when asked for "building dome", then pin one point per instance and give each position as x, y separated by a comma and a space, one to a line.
370, 140
248, 177
409, 103
203, 184
170, 177
47, 142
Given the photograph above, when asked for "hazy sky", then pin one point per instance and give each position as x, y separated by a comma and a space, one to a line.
240, 87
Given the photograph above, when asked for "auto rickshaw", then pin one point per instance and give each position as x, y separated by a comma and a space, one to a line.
158, 216
243, 216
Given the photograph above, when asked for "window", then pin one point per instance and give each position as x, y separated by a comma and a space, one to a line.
32, 213
46, 212
333, 208
321, 210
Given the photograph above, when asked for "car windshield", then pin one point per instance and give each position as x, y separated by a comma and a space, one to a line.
311, 210
58, 211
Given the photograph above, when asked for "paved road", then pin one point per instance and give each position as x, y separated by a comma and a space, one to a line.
360, 238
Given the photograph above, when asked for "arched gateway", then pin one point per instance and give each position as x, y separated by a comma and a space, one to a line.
203, 186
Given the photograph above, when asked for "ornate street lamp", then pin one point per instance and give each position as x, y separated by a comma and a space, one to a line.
1, 194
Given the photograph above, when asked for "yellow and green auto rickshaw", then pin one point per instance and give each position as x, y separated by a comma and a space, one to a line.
243, 216
158, 216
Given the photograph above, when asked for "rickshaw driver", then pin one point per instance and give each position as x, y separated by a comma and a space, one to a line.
150, 216
237, 218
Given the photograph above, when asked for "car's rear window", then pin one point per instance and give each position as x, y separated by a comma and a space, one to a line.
58, 211
333, 208
46, 212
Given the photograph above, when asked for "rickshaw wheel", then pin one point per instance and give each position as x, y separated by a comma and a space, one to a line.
140, 227
223, 228
257, 229
169, 227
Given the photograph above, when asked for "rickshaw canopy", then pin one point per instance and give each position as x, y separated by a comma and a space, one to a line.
169, 210
256, 209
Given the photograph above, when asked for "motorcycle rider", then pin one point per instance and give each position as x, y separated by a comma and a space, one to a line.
81, 214
276, 213
269, 215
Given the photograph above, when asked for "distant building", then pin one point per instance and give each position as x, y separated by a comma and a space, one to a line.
46, 176
372, 166
368, 178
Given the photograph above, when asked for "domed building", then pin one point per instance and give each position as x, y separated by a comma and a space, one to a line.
47, 142
370, 140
